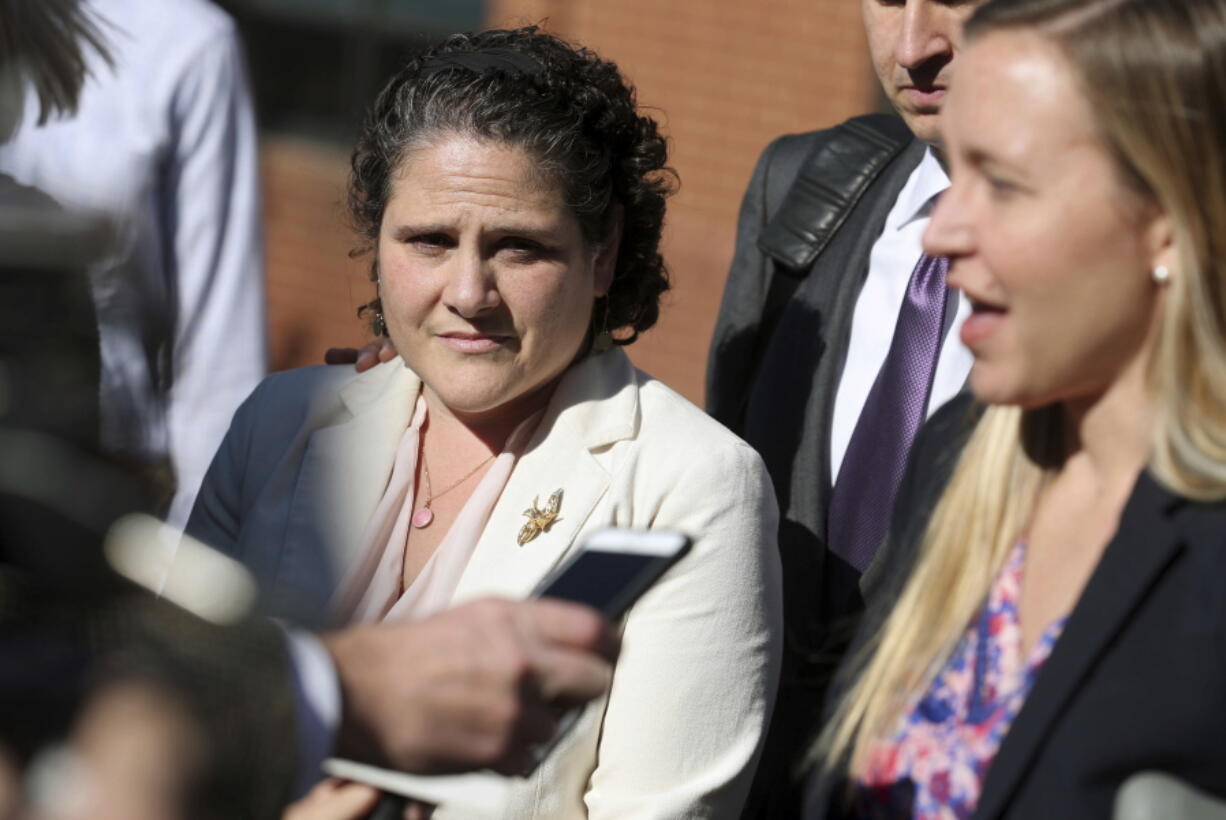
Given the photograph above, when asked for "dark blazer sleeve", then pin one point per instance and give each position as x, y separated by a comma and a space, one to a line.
264, 440
734, 343
217, 515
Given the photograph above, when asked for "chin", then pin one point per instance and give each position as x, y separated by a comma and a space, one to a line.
474, 403
992, 388
925, 126
927, 131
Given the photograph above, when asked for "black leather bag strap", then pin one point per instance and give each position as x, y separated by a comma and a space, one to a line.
829, 183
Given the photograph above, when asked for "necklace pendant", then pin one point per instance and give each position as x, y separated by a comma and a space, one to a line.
422, 518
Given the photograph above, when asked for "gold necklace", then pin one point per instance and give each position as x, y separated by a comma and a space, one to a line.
423, 516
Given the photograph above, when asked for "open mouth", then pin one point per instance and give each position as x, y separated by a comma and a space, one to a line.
978, 306
984, 320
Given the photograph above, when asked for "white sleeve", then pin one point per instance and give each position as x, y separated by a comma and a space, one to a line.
211, 219
694, 687
317, 705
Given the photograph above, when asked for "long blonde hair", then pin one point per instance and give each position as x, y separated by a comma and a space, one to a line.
1154, 74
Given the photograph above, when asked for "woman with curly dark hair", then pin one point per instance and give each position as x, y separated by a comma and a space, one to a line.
512, 196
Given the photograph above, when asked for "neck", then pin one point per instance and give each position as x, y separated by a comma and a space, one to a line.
1110, 433
939, 153
492, 428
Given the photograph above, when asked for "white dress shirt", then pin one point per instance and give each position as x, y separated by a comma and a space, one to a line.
893, 258
164, 144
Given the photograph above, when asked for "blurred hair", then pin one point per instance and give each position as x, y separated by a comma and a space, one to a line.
46, 40
1154, 75
577, 118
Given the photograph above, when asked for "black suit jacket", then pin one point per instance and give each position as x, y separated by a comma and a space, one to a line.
777, 391
1137, 680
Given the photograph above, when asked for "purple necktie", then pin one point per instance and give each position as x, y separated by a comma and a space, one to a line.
876, 456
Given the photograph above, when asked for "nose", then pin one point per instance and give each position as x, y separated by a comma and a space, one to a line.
471, 288
949, 232
925, 34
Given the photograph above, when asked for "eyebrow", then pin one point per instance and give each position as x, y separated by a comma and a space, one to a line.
979, 157
406, 230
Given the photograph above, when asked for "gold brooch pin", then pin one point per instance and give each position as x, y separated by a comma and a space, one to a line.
539, 520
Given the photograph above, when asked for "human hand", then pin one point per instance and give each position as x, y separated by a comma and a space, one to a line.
472, 687
372, 353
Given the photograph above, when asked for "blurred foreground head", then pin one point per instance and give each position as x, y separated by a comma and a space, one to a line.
114, 704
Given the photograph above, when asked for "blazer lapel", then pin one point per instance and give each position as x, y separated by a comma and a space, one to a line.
346, 466
595, 405
1145, 544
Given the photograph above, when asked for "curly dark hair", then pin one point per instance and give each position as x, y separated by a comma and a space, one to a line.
573, 112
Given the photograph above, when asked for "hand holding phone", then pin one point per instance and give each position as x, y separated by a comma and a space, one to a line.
608, 572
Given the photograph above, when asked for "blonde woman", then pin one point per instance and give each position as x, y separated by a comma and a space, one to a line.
1062, 619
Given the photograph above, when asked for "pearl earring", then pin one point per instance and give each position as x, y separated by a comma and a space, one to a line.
1162, 274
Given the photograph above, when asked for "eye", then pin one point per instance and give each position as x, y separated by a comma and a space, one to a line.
1001, 188
432, 242
521, 249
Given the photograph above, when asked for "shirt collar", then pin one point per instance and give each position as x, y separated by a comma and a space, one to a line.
926, 181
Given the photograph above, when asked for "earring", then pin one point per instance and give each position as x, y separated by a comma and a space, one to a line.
1161, 274
378, 325
603, 340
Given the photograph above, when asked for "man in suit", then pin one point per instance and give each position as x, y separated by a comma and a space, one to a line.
826, 288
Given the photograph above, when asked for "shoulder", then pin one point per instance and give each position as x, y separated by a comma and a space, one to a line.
943, 436
157, 46
173, 23
294, 396
686, 435
187, 20
881, 129
303, 382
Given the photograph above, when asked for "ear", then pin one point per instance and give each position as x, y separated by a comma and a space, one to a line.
1160, 241
605, 263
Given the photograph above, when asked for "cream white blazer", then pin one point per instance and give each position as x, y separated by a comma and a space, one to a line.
309, 455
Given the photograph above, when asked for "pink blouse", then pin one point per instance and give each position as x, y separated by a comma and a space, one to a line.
370, 591
934, 764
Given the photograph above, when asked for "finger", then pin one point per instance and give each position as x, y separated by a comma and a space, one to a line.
568, 624
537, 726
566, 677
387, 351
366, 360
538, 718
340, 355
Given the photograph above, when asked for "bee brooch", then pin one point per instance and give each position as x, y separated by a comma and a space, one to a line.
540, 520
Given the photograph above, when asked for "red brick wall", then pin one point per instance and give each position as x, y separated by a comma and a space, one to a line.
314, 288
725, 77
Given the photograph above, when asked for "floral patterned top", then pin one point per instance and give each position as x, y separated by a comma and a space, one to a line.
934, 765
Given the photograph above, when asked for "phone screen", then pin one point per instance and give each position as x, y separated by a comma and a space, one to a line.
600, 579
613, 567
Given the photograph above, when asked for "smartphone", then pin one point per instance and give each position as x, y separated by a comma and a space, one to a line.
613, 567
609, 571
